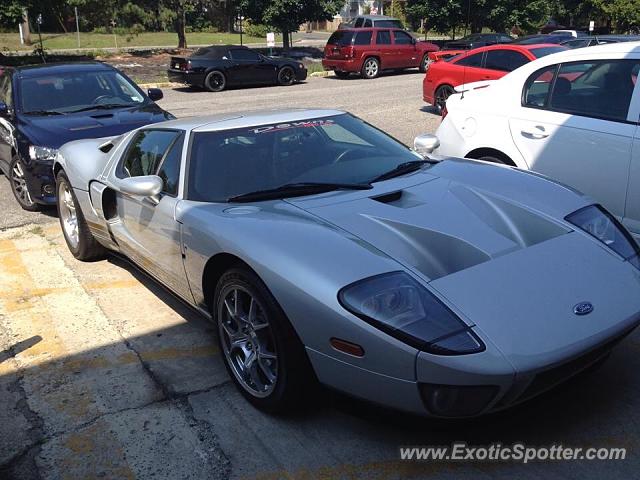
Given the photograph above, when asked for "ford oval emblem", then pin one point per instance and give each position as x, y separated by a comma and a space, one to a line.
583, 308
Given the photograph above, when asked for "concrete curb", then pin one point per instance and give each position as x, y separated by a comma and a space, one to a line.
321, 74
160, 85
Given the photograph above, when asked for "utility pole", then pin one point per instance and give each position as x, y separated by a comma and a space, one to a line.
77, 26
26, 33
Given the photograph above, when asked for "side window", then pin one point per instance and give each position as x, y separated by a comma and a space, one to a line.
504, 39
595, 89
169, 169
243, 54
537, 86
363, 38
504, 60
471, 61
368, 23
145, 152
359, 22
402, 38
383, 37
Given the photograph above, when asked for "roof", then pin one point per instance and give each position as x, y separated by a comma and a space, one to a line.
376, 17
227, 121
607, 48
53, 68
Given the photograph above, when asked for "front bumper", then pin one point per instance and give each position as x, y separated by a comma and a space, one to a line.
301, 74
350, 65
41, 182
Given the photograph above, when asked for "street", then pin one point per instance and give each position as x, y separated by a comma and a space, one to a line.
103, 374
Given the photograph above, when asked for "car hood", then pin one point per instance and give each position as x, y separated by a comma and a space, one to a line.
475, 232
54, 131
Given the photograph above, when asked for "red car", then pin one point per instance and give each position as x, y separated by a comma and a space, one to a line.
485, 63
368, 51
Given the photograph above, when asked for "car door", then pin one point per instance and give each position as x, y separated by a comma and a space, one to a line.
7, 132
146, 229
473, 68
385, 48
632, 209
250, 68
574, 126
405, 51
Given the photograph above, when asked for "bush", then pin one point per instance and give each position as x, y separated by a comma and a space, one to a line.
256, 30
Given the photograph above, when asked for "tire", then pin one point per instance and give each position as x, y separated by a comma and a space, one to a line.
424, 63
75, 230
441, 95
286, 76
341, 74
278, 383
370, 68
19, 186
215, 81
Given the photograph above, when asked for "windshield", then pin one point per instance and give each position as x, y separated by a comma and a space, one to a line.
389, 24
336, 149
543, 51
75, 91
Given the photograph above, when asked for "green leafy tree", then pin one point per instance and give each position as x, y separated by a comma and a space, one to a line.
623, 14
287, 15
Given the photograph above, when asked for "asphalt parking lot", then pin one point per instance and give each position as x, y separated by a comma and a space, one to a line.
105, 375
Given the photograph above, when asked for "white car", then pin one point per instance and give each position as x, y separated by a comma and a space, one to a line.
572, 116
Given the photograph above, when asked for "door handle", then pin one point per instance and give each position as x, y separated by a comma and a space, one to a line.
536, 133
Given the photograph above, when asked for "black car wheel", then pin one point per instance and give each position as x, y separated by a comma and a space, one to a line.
286, 76
442, 93
215, 81
424, 64
341, 74
75, 230
370, 68
19, 185
261, 351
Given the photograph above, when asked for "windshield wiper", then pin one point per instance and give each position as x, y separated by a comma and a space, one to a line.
44, 112
104, 106
402, 169
295, 190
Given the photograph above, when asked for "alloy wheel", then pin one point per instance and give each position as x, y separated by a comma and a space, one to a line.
286, 76
20, 184
68, 214
248, 342
442, 94
371, 68
215, 81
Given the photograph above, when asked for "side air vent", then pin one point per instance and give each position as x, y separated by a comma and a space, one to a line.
106, 147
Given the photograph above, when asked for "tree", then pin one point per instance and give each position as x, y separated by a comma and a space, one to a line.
443, 16
287, 15
625, 14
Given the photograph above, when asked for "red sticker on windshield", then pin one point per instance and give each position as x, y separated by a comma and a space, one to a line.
287, 126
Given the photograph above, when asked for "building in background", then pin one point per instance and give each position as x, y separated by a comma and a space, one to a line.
351, 9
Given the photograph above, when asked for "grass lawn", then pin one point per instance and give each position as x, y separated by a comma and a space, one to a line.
53, 41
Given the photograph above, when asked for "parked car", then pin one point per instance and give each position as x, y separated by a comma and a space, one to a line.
487, 63
369, 51
572, 116
572, 33
476, 40
218, 67
599, 40
324, 249
44, 106
370, 21
540, 38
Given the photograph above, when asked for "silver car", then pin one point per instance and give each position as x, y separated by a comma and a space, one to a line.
324, 250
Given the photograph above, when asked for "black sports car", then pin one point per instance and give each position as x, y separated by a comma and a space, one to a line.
218, 67
476, 40
44, 106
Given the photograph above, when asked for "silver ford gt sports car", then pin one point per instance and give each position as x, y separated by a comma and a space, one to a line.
324, 249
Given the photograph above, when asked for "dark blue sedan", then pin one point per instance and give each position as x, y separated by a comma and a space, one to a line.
44, 106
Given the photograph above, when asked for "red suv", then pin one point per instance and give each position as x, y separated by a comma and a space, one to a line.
368, 51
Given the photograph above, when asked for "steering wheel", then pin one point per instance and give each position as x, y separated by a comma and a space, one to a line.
344, 154
98, 100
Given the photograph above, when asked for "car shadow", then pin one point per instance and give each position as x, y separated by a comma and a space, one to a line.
187, 89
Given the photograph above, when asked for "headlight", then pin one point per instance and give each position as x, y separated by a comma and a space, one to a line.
300, 65
398, 305
600, 224
42, 153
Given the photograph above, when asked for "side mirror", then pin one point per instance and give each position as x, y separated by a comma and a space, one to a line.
145, 186
4, 109
425, 144
413, 40
155, 94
